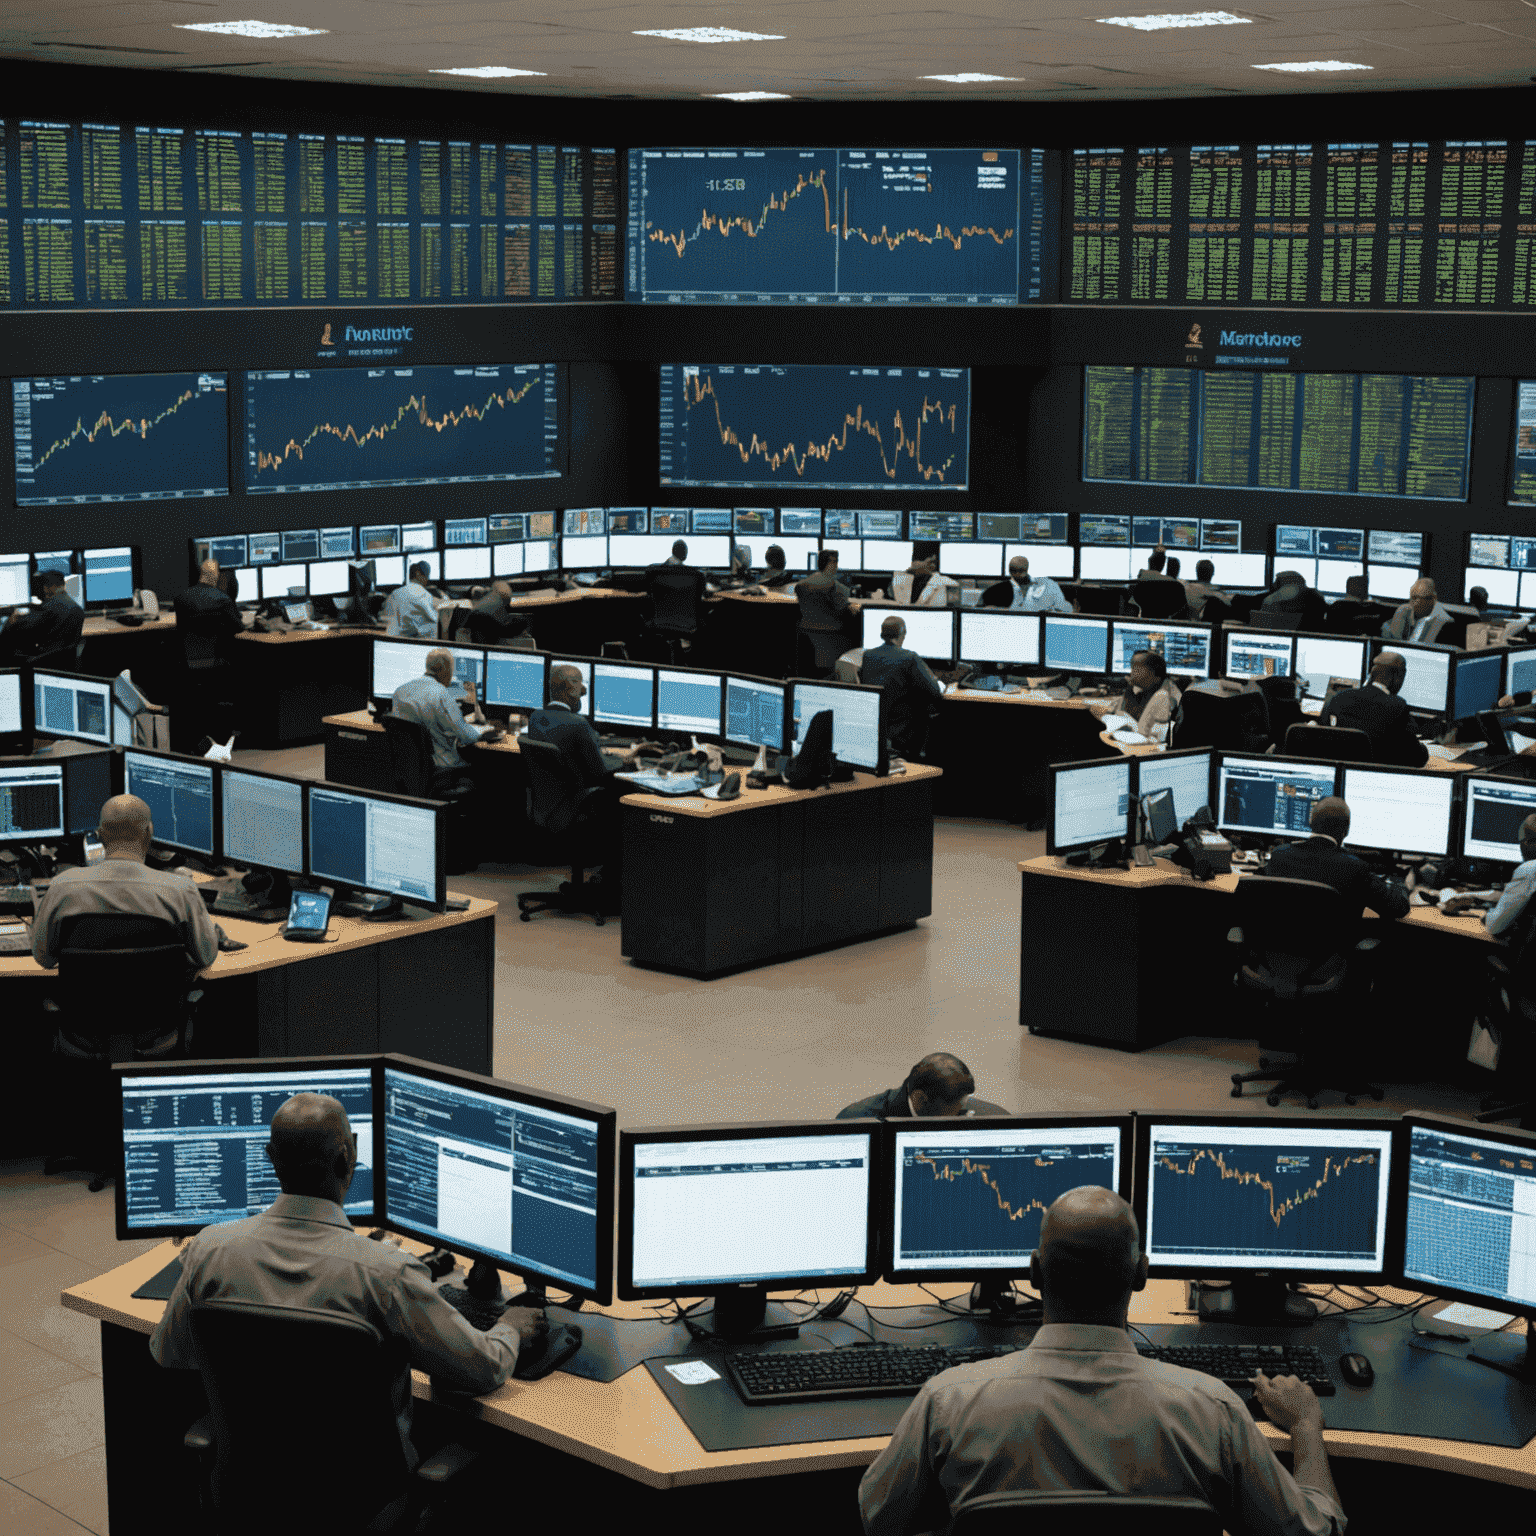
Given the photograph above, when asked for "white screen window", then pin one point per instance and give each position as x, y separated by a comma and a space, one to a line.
1011, 639
1188, 777
930, 632
1502, 587
971, 559
1258, 655
584, 552
1401, 812
1429, 674
263, 821
467, 562
10, 702
395, 664
855, 721
1318, 660
1058, 561
1091, 804
1391, 581
507, 560
1102, 562
277, 579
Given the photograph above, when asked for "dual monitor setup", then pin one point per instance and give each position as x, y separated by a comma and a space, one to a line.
99, 580
529, 1181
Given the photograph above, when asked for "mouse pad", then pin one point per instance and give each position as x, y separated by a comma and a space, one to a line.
159, 1286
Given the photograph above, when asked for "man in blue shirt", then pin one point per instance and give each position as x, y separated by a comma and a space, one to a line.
1041, 595
909, 688
427, 701
1516, 895
409, 610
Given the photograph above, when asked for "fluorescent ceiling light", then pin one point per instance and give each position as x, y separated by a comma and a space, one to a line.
749, 95
970, 78
487, 72
713, 35
1189, 19
250, 28
1314, 67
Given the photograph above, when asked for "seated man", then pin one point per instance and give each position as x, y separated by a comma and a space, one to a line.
939, 1085
921, 584
1154, 568
302, 1252
409, 610
1323, 857
430, 701
1150, 699
1421, 618
204, 610
54, 625
910, 689
1200, 591
1039, 594
496, 602
1081, 1409
774, 572
1377, 710
1505, 919
1477, 597
1289, 593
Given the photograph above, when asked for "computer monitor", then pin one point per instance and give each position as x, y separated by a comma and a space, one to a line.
1427, 685
1390, 581
1004, 639
514, 1176
628, 519
962, 1199
732, 1211
90, 780
329, 578
930, 631
1319, 658
858, 721
459, 531
1232, 570
971, 559
301, 544
641, 549
1187, 775
850, 554
881, 525
754, 712
263, 820
179, 792
1490, 827
467, 562
1157, 817
395, 663
576, 522
516, 680
1103, 562
1406, 811
1055, 560
265, 548
386, 844
15, 581
379, 539
31, 800
1186, 648
194, 1137
418, 536
624, 695
1256, 653
1089, 803
1477, 680
1520, 671
11, 697
506, 559
1076, 645
68, 704
586, 552
1463, 1198
507, 527
1270, 796
800, 520
708, 551
338, 543
688, 701
1392, 546
278, 581
1264, 1201
110, 577
1502, 587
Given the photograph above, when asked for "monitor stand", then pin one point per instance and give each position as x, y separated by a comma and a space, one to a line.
1508, 1352
1258, 1304
996, 1298
536, 1296
742, 1315
374, 908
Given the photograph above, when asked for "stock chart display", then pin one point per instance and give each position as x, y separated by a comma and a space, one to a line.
120, 437
329, 429
1522, 485
850, 226
858, 429
124, 214
1350, 434
1417, 224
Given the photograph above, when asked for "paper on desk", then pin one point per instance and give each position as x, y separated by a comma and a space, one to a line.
692, 1373
1116, 722
1130, 738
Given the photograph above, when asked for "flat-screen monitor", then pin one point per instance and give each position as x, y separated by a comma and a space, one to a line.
494, 1171
464, 530
797, 552
881, 525
1271, 796
1477, 679
578, 522
623, 695
1232, 570
1103, 562
1490, 827
179, 792
1322, 657
507, 527
515, 680
280, 580
301, 544
1502, 587
930, 631
329, 578
688, 701
1238, 1194
1390, 546
385, 844
1256, 653
628, 519
1333, 576
858, 721
1427, 686
1186, 648
1006, 639
850, 554
1404, 811
263, 817
1089, 803
31, 800
11, 722
506, 559
1390, 581
467, 562
708, 551
1055, 560
1076, 645
971, 559
641, 548
964, 1197
379, 539
90, 780
67, 704
15, 581
754, 712
801, 520
194, 1137
539, 555
1186, 774
1519, 672
109, 577
585, 552
395, 663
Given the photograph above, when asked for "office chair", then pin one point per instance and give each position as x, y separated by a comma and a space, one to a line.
998, 595
62, 658
1329, 744
1292, 966
677, 607
1238, 722
1508, 1007
410, 757
571, 815
1159, 599
849, 664
1103, 601
491, 628
1058, 1512
1216, 610
817, 651
1454, 632
1274, 618
1281, 701
257, 1452
115, 972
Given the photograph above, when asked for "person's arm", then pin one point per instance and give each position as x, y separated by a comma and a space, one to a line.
1270, 1498
1512, 902
899, 1484
1387, 899
443, 1345
171, 1344
926, 680
1058, 598
197, 931
453, 720
837, 595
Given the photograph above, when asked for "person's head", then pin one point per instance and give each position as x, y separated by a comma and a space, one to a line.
503, 590
420, 571
50, 583
1528, 838
1357, 587
925, 557
940, 1084
1421, 597
1289, 580
1089, 1260
827, 560
1148, 669
679, 549
893, 629
208, 573
1390, 670
1330, 818
1173, 565
439, 664
1156, 560
566, 686
126, 829
1018, 570
1204, 570
311, 1147
773, 557
1478, 597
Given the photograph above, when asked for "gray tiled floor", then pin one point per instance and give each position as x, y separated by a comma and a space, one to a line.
801, 1038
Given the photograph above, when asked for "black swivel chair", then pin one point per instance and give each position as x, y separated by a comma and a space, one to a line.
257, 1451
677, 606
1275, 618
1070, 1512
1163, 599
998, 595
1508, 1007
1237, 722
1291, 965
498, 629
62, 658
1329, 744
1281, 701
572, 816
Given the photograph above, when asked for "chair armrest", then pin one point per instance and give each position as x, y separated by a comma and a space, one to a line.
446, 1463
1368, 944
1235, 936
1500, 968
200, 1437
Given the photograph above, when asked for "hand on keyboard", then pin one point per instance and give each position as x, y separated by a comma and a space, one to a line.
1287, 1401
531, 1322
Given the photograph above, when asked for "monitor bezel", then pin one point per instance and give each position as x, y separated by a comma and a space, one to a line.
629, 1139
286, 778
1141, 760
15, 760
883, 755
29, 705
216, 831
780, 683
680, 732
136, 581
439, 808
1053, 849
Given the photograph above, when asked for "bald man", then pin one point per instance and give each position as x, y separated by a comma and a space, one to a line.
1323, 857
302, 1252
1421, 618
910, 689
205, 610
432, 701
1080, 1409
1038, 594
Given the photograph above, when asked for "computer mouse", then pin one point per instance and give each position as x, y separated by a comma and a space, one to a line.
547, 1352
1356, 1370
730, 787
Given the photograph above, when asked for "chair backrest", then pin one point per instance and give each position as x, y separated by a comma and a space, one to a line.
410, 755
1238, 722
485, 628
1329, 744
675, 594
1057, 1512
328, 1449
849, 665
1301, 918
1275, 618
122, 981
998, 595
1216, 610
200, 652
556, 797
1159, 599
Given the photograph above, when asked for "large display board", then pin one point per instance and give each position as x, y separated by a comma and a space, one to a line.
863, 429
1522, 479
106, 215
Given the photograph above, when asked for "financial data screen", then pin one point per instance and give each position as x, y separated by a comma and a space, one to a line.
973, 1198
72, 706
842, 226
1000, 637
1078, 645
623, 695
373, 844
688, 701
1267, 1197
1408, 813
263, 821
194, 1142
515, 682
1522, 483
1257, 654
843, 428
179, 796
1273, 795
1090, 804
1186, 651
31, 801
328, 429
754, 713
1491, 823
855, 720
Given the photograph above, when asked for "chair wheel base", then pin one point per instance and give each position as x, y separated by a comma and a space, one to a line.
1273, 1100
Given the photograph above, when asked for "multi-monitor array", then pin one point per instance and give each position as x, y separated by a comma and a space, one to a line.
97, 579
528, 1180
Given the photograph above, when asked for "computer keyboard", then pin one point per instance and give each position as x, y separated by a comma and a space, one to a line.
1238, 1364
855, 1370
477, 1313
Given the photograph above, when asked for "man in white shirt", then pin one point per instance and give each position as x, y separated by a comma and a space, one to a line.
1421, 618
1040, 595
409, 609
1080, 1409
1515, 896
426, 701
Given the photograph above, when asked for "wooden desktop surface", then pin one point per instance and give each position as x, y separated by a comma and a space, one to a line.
629, 1426
104, 624
361, 720
774, 795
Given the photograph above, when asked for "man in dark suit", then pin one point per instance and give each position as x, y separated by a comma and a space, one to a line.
940, 1085
909, 688
205, 610
1323, 857
1377, 710
54, 625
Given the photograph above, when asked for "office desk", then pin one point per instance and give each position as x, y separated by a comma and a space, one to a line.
629, 1458
710, 886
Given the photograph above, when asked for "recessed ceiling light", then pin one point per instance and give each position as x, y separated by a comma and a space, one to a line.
1314, 67
748, 95
713, 35
250, 28
1189, 19
487, 72
970, 78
